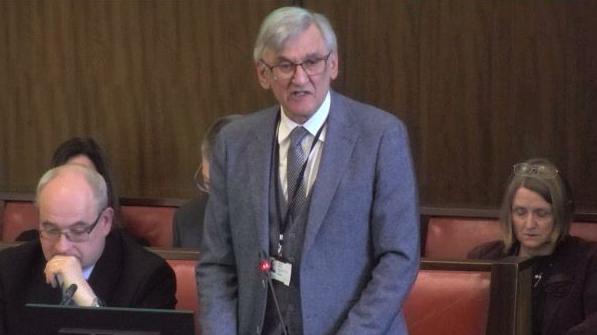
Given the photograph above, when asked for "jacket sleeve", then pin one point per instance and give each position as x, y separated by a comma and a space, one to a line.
159, 290
217, 272
589, 324
394, 225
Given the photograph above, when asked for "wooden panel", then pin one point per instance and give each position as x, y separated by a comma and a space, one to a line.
145, 78
480, 85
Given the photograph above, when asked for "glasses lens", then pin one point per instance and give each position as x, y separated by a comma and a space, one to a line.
50, 234
524, 169
77, 236
315, 66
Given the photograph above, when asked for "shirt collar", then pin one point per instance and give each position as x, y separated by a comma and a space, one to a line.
87, 271
312, 125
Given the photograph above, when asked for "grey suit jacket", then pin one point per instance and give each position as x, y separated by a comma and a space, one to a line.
361, 249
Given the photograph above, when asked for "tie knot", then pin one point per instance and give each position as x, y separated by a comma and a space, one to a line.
297, 135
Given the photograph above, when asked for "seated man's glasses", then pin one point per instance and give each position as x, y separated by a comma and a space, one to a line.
74, 234
525, 169
286, 69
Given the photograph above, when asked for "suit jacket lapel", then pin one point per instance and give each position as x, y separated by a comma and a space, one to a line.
339, 144
108, 269
259, 158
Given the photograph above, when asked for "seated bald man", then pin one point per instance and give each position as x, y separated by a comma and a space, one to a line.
78, 248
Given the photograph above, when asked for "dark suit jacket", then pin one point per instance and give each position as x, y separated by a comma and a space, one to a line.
361, 248
570, 305
187, 225
126, 275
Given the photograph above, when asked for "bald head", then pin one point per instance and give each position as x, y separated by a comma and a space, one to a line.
71, 181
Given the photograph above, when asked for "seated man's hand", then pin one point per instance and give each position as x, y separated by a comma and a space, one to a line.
63, 271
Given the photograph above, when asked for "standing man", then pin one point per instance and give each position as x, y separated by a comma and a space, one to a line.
312, 223
79, 259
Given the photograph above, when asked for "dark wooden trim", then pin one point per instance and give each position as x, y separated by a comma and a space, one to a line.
13, 196
124, 201
176, 253
509, 311
460, 212
489, 213
456, 264
157, 202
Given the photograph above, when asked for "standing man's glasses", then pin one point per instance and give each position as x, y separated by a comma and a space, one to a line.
76, 234
287, 69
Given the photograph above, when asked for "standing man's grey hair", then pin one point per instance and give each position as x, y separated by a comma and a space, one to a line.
287, 22
95, 181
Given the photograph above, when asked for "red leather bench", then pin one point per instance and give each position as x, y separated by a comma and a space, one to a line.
469, 298
184, 264
151, 223
452, 233
448, 302
449, 297
147, 219
17, 216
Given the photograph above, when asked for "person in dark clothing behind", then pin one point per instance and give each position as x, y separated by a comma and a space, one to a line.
87, 152
77, 245
535, 216
187, 224
83, 151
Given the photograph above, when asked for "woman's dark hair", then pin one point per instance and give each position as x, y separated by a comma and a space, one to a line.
88, 147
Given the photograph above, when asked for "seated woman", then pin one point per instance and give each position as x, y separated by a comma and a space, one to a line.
535, 216
187, 225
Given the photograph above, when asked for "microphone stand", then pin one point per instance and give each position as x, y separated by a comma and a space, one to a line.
265, 267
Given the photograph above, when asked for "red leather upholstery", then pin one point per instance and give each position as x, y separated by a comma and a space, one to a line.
586, 230
151, 223
448, 303
454, 237
17, 217
186, 286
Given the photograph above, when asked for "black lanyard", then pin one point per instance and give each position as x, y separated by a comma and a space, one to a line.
284, 223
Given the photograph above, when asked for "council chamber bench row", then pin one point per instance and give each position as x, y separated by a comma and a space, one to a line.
445, 232
147, 219
449, 297
450, 233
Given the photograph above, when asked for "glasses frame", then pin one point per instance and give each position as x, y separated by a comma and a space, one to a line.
295, 66
537, 170
68, 231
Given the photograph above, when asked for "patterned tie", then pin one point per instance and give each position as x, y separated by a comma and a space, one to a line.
296, 160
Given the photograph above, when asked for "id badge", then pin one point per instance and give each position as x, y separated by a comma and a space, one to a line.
281, 271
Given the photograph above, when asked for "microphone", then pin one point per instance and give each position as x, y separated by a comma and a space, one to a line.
67, 296
265, 267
